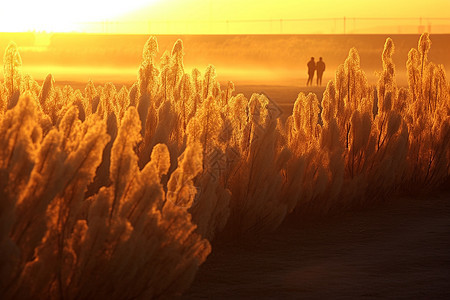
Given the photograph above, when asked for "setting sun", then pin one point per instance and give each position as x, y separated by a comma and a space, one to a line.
62, 16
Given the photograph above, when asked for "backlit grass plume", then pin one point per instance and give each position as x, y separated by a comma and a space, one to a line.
111, 192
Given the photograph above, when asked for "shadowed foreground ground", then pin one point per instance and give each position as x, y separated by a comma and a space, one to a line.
398, 250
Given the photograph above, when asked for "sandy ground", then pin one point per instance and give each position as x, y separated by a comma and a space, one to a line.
398, 250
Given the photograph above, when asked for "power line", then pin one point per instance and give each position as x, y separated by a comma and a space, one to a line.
201, 26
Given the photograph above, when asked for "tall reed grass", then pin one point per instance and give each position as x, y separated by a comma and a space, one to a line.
109, 192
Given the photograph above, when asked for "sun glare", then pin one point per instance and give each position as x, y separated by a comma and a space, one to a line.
62, 15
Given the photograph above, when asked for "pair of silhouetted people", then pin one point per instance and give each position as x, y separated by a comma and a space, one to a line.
312, 68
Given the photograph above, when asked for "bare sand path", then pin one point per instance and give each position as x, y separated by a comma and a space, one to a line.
399, 250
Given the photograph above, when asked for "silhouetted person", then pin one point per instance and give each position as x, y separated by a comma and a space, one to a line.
311, 69
320, 67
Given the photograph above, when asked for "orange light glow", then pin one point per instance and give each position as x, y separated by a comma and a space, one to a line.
136, 134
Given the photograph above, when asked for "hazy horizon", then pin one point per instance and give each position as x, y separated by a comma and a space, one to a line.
243, 59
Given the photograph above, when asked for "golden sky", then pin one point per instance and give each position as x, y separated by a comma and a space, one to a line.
221, 16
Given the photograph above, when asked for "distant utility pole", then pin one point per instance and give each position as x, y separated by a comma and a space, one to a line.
421, 27
345, 26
